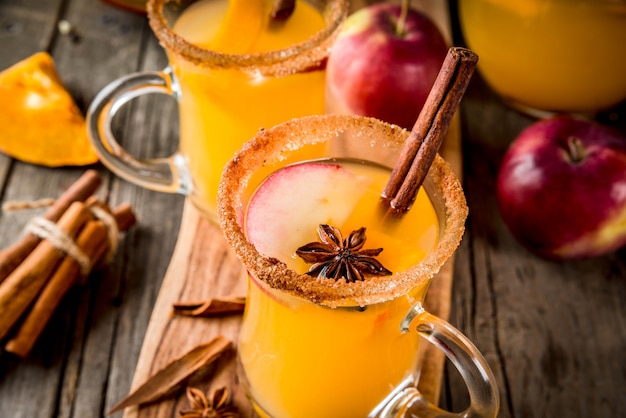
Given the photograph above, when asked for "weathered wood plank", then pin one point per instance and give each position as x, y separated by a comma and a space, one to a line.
202, 266
116, 43
553, 332
106, 44
26, 27
154, 133
77, 359
24, 30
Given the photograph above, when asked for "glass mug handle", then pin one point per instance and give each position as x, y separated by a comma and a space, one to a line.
483, 393
161, 174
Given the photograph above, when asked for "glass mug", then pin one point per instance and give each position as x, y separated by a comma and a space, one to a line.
223, 98
550, 56
319, 348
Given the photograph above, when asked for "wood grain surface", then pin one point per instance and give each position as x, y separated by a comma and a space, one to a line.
554, 333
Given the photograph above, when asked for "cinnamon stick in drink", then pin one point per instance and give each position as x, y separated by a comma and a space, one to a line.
429, 130
282, 9
12, 256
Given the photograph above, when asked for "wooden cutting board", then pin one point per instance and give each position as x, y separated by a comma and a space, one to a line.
202, 266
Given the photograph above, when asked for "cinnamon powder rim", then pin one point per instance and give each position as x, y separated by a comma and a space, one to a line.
299, 57
267, 146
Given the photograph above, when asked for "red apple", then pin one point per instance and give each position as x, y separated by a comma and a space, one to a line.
376, 69
561, 188
289, 205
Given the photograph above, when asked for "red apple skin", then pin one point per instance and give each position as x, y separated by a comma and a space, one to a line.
373, 72
560, 208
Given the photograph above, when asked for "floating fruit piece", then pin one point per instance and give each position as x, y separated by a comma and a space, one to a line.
251, 15
39, 121
301, 196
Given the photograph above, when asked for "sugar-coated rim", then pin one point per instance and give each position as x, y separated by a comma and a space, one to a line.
266, 146
304, 55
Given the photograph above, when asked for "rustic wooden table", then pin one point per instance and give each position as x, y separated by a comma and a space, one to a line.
554, 333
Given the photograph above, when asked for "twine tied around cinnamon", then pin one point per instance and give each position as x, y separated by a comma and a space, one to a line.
48, 230
57, 251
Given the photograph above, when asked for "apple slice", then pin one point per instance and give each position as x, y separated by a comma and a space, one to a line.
288, 206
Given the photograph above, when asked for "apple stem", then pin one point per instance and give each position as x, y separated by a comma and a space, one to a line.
575, 149
404, 11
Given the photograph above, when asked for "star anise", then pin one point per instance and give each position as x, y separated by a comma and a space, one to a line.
217, 406
335, 257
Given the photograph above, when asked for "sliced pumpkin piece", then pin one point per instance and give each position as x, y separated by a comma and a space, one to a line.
39, 120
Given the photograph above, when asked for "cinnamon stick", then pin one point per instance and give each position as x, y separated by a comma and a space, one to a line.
123, 214
22, 286
175, 373
93, 241
211, 307
282, 10
429, 130
81, 189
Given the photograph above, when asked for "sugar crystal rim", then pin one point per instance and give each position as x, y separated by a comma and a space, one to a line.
299, 57
267, 146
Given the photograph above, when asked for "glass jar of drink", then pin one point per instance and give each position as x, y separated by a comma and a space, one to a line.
550, 56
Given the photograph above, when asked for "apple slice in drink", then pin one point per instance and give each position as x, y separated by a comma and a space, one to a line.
289, 205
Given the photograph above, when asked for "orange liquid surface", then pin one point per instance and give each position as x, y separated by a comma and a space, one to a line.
221, 109
555, 55
306, 360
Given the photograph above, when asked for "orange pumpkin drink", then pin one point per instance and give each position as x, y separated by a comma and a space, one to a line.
550, 55
222, 108
235, 66
330, 305
357, 336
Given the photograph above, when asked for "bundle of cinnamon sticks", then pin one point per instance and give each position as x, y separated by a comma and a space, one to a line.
38, 270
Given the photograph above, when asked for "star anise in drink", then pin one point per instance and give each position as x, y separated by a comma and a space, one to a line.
217, 406
335, 257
